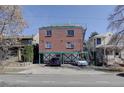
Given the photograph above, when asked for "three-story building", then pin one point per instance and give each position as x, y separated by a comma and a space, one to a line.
66, 39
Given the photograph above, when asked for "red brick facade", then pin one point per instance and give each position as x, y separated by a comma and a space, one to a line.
59, 39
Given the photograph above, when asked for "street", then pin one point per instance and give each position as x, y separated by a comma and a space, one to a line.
51, 80
64, 76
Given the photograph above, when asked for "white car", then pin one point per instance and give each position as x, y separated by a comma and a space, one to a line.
82, 63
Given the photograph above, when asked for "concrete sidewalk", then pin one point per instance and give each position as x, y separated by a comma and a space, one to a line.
65, 69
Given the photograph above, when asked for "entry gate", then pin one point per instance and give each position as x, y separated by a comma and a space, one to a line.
65, 57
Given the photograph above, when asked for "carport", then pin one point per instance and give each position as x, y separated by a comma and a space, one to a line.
65, 57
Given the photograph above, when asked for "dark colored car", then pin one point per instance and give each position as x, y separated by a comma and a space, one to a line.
54, 62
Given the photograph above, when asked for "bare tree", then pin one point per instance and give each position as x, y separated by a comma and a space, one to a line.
116, 19
11, 24
11, 20
117, 23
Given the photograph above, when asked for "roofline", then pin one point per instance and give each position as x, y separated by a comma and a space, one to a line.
21, 37
61, 26
99, 36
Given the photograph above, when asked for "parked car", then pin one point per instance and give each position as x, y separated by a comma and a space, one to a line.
81, 63
74, 63
54, 62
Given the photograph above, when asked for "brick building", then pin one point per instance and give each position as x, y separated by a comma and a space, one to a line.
61, 39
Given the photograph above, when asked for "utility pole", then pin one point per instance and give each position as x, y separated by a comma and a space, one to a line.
94, 51
104, 53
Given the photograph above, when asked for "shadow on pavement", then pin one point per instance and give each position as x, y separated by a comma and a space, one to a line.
120, 74
69, 66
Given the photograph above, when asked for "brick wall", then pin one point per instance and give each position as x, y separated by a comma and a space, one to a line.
59, 39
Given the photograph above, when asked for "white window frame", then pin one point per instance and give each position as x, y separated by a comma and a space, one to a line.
97, 41
70, 46
48, 45
70, 35
46, 33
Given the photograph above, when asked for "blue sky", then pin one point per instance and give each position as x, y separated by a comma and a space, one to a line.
93, 17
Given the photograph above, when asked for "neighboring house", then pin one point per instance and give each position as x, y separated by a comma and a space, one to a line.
95, 41
99, 40
114, 50
36, 39
97, 55
108, 49
19, 40
61, 40
15, 47
25, 40
36, 48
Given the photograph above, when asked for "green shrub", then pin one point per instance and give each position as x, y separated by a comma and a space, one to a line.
27, 54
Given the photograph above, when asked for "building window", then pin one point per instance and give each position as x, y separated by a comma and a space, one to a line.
70, 45
48, 33
48, 45
98, 42
70, 32
26, 42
